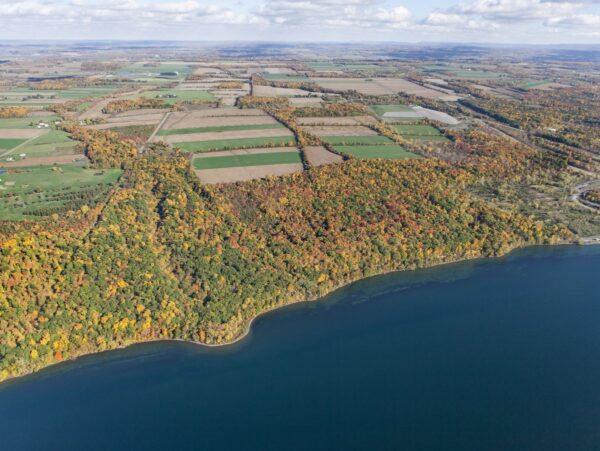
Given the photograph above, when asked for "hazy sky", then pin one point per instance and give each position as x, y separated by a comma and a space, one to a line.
499, 21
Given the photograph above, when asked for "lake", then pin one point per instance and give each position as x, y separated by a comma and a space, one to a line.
500, 354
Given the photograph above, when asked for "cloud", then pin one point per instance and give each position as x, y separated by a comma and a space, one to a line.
506, 20
334, 13
586, 20
516, 10
129, 11
508, 15
453, 20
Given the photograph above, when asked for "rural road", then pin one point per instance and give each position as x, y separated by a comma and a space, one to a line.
580, 189
160, 124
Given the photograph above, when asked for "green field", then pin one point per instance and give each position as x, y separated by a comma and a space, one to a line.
356, 140
9, 143
380, 110
325, 66
285, 77
17, 94
466, 74
369, 152
138, 69
416, 130
27, 122
420, 133
221, 128
535, 84
228, 144
258, 159
40, 190
55, 142
181, 95
477, 75
318, 65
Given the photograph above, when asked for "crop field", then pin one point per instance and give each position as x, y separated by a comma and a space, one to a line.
171, 96
542, 85
55, 142
380, 110
246, 164
416, 130
382, 86
392, 152
154, 70
464, 73
134, 118
25, 96
223, 129
35, 191
342, 120
478, 75
9, 143
253, 159
420, 133
27, 122
212, 117
343, 130
285, 77
220, 128
225, 144
417, 113
269, 91
236, 134
319, 156
356, 140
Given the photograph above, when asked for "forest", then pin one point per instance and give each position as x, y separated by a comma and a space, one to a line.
166, 257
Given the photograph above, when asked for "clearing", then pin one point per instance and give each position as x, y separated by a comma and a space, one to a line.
42, 190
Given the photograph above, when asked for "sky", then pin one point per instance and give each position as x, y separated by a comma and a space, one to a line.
474, 21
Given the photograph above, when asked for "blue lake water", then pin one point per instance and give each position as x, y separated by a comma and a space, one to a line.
499, 354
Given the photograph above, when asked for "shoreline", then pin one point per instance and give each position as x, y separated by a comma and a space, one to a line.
580, 241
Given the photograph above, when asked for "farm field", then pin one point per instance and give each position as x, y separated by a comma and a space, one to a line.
25, 96
392, 113
171, 96
420, 132
269, 91
32, 191
55, 142
213, 117
252, 159
356, 140
152, 70
319, 156
285, 77
380, 110
542, 85
391, 152
342, 130
382, 86
9, 143
225, 135
246, 164
342, 120
225, 144
132, 118
221, 128
27, 122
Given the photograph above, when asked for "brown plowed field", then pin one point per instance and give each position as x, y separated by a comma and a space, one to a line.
319, 156
230, 175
